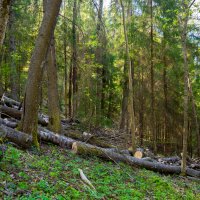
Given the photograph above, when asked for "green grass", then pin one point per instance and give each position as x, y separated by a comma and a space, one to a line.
53, 174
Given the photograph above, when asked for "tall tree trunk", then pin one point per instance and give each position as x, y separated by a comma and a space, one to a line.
99, 61
130, 83
153, 129
70, 90
195, 117
186, 91
53, 97
4, 16
74, 58
165, 134
65, 63
14, 77
31, 98
141, 111
124, 99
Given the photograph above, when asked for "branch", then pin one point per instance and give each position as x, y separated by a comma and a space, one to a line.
191, 4
75, 24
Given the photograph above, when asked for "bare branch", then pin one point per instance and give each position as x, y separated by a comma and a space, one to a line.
191, 4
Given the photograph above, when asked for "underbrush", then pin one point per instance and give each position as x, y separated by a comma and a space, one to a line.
53, 174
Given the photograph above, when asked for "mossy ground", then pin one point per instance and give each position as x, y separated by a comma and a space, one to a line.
53, 174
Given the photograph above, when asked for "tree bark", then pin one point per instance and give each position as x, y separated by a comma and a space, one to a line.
195, 117
10, 102
31, 98
17, 114
130, 84
186, 91
74, 59
87, 149
91, 139
8, 123
4, 16
19, 138
14, 72
53, 97
153, 128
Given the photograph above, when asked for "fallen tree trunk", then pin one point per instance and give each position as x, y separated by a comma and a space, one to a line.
25, 141
87, 149
11, 112
21, 139
60, 140
139, 153
8, 123
10, 102
89, 138
170, 159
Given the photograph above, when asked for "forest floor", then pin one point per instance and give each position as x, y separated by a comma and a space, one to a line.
53, 173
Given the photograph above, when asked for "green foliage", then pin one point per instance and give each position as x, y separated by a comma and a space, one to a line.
23, 176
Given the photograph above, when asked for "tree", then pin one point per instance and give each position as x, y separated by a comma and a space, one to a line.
4, 16
53, 97
130, 86
31, 98
186, 5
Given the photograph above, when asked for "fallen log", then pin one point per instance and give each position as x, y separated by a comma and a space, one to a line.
10, 102
21, 139
87, 149
170, 159
11, 112
139, 153
8, 123
48, 136
89, 138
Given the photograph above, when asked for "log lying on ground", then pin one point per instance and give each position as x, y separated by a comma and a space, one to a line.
8, 123
87, 149
21, 139
139, 153
11, 112
170, 159
91, 139
10, 102
48, 136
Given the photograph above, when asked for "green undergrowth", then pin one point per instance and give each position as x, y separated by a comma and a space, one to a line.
53, 174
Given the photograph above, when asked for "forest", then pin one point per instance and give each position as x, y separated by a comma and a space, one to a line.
107, 88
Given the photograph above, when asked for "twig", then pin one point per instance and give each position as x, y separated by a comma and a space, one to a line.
85, 179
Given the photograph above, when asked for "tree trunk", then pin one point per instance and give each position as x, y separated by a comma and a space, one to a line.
124, 99
4, 16
87, 149
99, 61
14, 113
91, 139
31, 98
141, 111
14, 73
153, 128
53, 97
19, 138
186, 91
74, 59
130, 84
166, 134
70, 90
195, 117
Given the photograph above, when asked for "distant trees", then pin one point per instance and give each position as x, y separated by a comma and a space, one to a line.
96, 55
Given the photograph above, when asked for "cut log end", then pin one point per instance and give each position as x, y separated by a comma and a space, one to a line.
138, 154
74, 148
